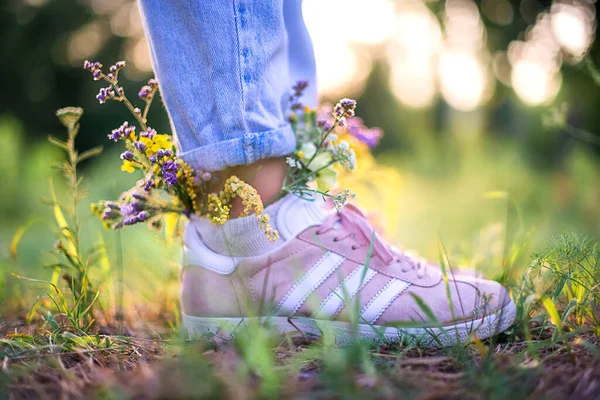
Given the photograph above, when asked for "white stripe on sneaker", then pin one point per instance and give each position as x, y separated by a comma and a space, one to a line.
298, 294
344, 292
377, 305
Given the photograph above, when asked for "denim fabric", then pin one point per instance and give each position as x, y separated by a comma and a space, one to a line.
225, 70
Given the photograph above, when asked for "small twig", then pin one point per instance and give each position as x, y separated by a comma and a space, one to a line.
582, 135
289, 320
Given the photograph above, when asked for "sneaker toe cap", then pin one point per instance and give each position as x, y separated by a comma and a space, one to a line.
470, 298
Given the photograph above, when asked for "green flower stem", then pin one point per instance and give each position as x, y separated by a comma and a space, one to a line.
147, 108
582, 135
140, 157
299, 180
323, 141
124, 99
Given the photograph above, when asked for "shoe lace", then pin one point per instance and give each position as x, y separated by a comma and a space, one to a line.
351, 216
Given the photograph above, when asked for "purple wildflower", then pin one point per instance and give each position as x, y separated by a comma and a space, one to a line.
138, 205
91, 66
127, 210
370, 137
160, 153
120, 64
109, 214
153, 83
95, 68
169, 172
152, 159
149, 133
134, 219
145, 92
168, 153
323, 124
127, 221
128, 155
354, 126
206, 176
344, 109
298, 89
140, 146
105, 94
121, 132
149, 185
138, 196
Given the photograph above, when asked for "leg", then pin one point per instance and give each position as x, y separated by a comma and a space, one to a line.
223, 68
225, 71
267, 175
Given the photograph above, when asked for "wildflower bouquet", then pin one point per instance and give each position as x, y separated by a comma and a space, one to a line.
327, 144
326, 148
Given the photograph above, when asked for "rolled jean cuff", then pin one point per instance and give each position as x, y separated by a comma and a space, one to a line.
243, 150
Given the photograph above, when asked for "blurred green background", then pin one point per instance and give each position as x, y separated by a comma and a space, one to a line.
459, 88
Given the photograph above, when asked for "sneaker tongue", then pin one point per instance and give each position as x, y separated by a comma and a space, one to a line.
296, 214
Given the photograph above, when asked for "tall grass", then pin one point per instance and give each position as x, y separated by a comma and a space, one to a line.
72, 264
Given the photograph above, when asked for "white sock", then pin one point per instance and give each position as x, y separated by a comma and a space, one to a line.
239, 237
242, 237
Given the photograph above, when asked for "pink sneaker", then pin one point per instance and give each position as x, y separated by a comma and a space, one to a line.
313, 281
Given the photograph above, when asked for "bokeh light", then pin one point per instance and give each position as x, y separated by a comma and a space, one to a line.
533, 83
85, 42
343, 61
499, 12
573, 27
462, 80
429, 56
411, 54
535, 62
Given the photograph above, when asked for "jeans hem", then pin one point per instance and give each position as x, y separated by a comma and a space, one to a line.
243, 150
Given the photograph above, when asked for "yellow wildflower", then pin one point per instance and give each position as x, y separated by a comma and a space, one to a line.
128, 166
218, 205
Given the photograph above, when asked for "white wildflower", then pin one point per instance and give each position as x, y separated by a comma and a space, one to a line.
292, 162
341, 199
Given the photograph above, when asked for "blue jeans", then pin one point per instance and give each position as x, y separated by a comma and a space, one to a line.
225, 70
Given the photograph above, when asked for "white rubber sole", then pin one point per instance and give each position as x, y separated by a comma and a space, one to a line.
432, 336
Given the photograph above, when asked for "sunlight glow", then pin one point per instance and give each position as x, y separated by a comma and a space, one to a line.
536, 62
413, 84
572, 28
412, 53
462, 71
358, 21
462, 80
85, 42
355, 26
533, 83
418, 32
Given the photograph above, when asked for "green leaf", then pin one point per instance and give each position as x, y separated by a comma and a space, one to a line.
568, 310
425, 309
58, 143
50, 319
551, 308
17, 237
89, 153
443, 255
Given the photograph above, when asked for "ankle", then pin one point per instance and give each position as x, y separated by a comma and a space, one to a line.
266, 176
